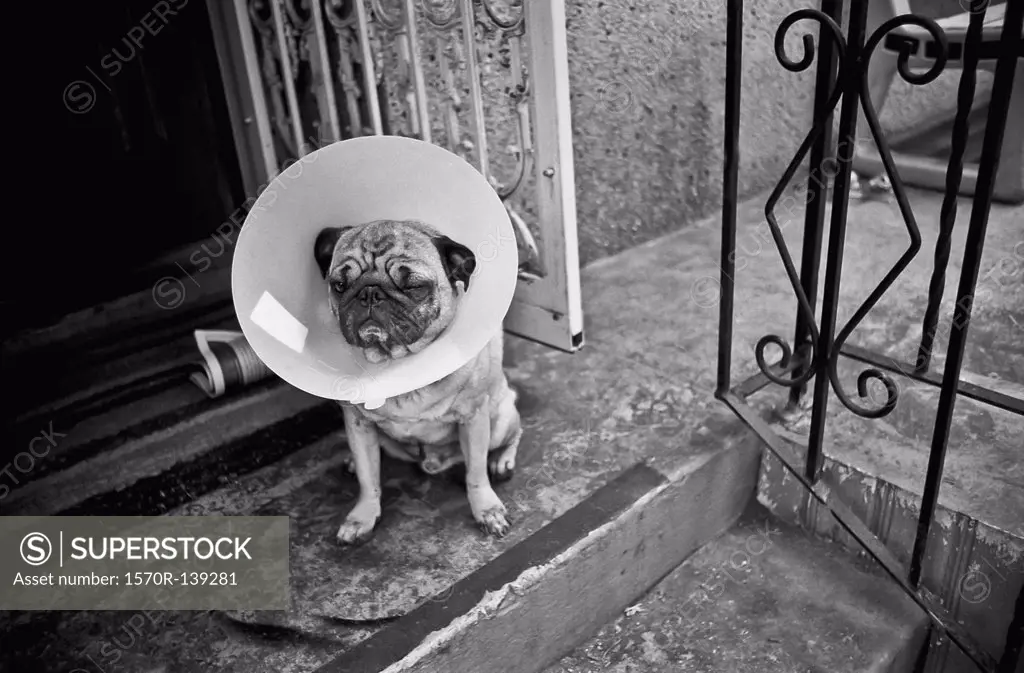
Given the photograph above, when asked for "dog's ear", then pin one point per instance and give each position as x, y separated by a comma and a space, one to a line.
323, 249
458, 260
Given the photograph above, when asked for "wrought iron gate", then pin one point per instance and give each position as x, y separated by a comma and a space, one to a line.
819, 343
486, 79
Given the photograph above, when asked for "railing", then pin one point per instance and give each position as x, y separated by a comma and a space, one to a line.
842, 76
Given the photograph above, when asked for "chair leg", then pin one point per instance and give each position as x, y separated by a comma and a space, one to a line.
881, 73
1009, 185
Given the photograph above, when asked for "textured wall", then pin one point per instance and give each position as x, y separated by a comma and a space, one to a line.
648, 93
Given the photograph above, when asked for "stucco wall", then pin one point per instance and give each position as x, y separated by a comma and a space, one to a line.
648, 95
648, 92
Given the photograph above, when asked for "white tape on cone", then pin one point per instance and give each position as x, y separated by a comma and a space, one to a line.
276, 321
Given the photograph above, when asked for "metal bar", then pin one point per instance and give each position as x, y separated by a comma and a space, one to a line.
851, 82
1010, 661
759, 381
551, 310
995, 127
259, 100
851, 523
289, 78
975, 392
475, 92
323, 59
369, 71
451, 117
517, 81
350, 89
404, 71
730, 196
419, 84
954, 174
247, 108
817, 189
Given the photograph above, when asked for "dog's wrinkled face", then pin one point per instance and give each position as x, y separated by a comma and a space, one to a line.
393, 285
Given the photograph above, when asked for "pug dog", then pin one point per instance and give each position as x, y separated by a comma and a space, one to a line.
394, 287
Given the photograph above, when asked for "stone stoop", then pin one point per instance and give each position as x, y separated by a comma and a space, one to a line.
430, 592
765, 597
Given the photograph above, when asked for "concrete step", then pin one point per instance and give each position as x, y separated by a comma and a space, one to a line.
973, 565
614, 504
627, 466
763, 598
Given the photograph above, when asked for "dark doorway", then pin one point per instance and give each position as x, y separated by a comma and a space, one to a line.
139, 159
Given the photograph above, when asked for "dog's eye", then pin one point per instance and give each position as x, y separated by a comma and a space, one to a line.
418, 292
338, 286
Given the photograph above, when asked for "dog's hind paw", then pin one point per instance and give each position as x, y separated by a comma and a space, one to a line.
494, 521
501, 467
501, 463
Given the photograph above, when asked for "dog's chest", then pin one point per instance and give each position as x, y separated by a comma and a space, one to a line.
423, 432
409, 420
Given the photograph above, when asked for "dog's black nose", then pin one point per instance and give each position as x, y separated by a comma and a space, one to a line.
371, 295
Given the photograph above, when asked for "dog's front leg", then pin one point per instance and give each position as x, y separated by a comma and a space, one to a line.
475, 441
365, 447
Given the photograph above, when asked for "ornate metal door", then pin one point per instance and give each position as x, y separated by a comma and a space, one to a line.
486, 79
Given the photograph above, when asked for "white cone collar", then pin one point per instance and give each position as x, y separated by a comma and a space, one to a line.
281, 299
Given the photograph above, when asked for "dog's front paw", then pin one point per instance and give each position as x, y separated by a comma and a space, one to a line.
490, 513
359, 524
494, 521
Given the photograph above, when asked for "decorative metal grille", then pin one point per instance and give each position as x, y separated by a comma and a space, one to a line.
842, 77
486, 79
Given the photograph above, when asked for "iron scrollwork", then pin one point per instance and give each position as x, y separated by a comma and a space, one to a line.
510, 29
787, 259
441, 15
860, 69
871, 115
